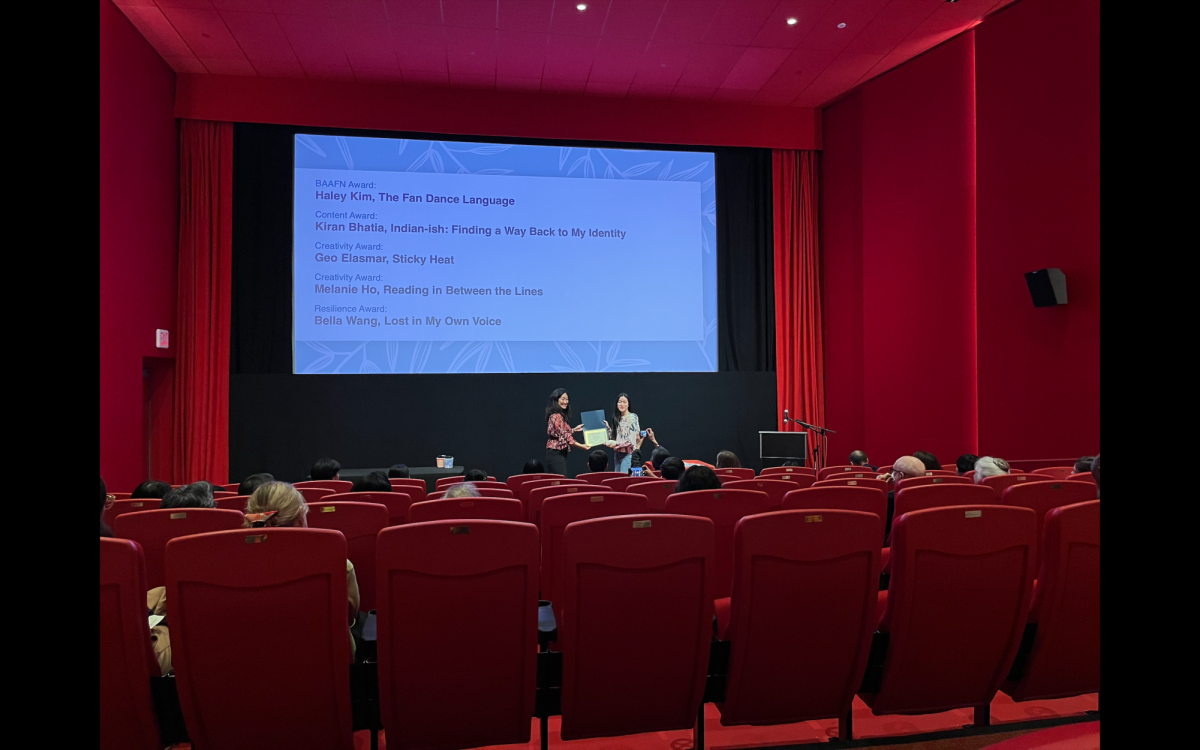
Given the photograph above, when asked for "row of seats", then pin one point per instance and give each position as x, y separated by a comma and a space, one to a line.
262, 612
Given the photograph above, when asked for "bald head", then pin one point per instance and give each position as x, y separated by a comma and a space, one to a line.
909, 466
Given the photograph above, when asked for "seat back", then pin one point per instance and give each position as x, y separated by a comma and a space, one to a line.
927, 479
621, 674
127, 505
800, 578
596, 477
622, 484
397, 503
655, 491
228, 589
879, 484
313, 494
861, 499
237, 502
724, 508
939, 496
831, 471
733, 473
961, 579
1001, 482
1042, 497
491, 484
360, 523
445, 482
1065, 657
1055, 472
336, 485
217, 495
127, 718
788, 470
471, 508
1083, 476
121, 495
775, 488
941, 473
561, 510
483, 492
528, 487
516, 480
473, 584
537, 497
410, 483
800, 480
152, 529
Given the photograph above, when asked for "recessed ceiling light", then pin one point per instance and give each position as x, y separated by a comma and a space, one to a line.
581, 6
791, 22
842, 25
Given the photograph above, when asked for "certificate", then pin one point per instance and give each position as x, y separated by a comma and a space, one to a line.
594, 431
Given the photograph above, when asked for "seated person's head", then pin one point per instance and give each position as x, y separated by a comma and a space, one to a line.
658, 455
728, 460
989, 466
597, 460
931, 462
672, 468
399, 471
698, 478
965, 463
276, 504
151, 488
324, 469
907, 466
376, 481
196, 495
462, 489
858, 458
253, 482
1096, 472
475, 475
1083, 463
792, 462
533, 466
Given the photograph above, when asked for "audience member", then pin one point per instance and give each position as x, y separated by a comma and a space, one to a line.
195, 495
475, 475
905, 467
1096, 473
105, 502
533, 466
698, 478
931, 461
398, 471
657, 456
151, 488
325, 469
597, 460
859, 458
728, 460
989, 466
792, 462
253, 482
643, 448
965, 463
1084, 463
376, 481
672, 468
462, 489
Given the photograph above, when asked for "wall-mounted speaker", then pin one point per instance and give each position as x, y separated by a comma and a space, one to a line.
1047, 286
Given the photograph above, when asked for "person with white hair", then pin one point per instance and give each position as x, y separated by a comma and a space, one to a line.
462, 489
989, 466
904, 468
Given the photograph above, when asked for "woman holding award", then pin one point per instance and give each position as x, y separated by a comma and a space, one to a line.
623, 434
559, 437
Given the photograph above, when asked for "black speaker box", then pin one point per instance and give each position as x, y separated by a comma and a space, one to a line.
1047, 287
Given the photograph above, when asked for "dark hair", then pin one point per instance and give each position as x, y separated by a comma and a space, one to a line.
552, 406
195, 495
616, 416
1096, 472
658, 455
858, 458
533, 466
672, 468
325, 468
728, 460
930, 460
399, 471
253, 482
965, 463
793, 462
1084, 463
475, 475
151, 488
698, 478
376, 481
597, 460
104, 530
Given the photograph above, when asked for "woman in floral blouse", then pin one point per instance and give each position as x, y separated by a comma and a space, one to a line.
559, 439
623, 433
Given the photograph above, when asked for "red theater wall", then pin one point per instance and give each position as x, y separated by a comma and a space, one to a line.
139, 207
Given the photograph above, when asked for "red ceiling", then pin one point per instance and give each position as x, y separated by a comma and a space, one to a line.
721, 50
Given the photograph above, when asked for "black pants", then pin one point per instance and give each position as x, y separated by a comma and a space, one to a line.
556, 461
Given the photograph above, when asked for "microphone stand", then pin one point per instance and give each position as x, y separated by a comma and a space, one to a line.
822, 436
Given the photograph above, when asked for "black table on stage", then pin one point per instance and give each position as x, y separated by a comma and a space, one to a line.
429, 473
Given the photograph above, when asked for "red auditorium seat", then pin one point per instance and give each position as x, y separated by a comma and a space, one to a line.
237, 502
787, 470
120, 495
734, 473
960, 587
416, 484
1042, 497
360, 523
800, 480
724, 508
516, 480
884, 470
829, 471
800, 578
655, 491
483, 492
1056, 472
397, 503
1083, 476
775, 488
596, 477
152, 529
1064, 659
939, 496
922, 481
1081, 736
491, 484
258, 613
220, 495
445, 482
474, 585
524, 490
470, 508
941, 473
336, 485
129, 506
314, 494
558, 512
537, 497
622, 484
879, 484
637, 624
862, 499
127, 662
232, 487
1001, 482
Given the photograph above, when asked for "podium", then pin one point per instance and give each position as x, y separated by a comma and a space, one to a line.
774, 448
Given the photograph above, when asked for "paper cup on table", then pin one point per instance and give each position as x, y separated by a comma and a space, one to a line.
441, 462
449, 462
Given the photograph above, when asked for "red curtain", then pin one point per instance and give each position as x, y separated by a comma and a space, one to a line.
799, 363
201, 429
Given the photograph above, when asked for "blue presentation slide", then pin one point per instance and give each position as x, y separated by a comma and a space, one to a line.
447, 257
